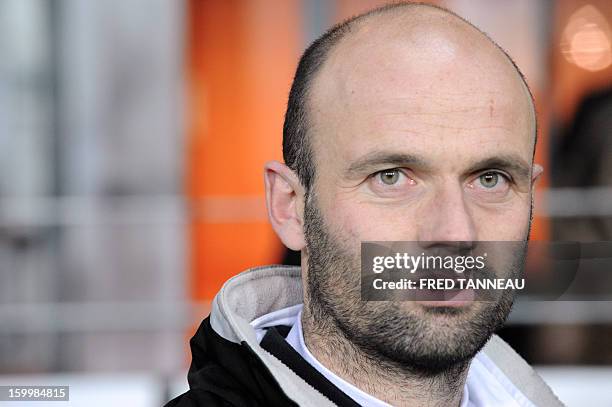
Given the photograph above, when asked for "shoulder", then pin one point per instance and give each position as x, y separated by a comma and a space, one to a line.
224, 373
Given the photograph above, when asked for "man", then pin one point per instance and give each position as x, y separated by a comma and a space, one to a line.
403, 124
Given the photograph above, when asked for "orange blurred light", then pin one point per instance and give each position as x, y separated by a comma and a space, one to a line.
586, 40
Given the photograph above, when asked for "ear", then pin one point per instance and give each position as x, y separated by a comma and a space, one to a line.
285, 202
536, 172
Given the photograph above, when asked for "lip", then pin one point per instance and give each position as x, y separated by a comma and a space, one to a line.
448, 304
451, 298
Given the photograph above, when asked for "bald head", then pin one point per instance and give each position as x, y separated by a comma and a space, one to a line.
394, 64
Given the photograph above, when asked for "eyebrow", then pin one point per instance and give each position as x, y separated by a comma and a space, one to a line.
507, 162
511, 163
375, 159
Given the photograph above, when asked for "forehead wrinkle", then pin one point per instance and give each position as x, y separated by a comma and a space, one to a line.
453, 118
444, 111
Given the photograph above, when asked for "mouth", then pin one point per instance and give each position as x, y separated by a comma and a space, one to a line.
446, 298
444, 295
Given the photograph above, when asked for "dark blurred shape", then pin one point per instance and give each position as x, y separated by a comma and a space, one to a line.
583, 158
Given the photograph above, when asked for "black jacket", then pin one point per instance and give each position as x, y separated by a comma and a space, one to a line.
224, 373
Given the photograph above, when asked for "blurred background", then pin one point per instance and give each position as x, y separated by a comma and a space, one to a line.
132, 139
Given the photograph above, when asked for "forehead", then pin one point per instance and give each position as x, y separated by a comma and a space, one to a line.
431, 95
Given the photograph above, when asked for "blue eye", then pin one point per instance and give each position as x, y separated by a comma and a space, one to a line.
489, 179
389, 177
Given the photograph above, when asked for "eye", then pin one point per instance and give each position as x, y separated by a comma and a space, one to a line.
391, 183
389, 177
489, 179
491, 183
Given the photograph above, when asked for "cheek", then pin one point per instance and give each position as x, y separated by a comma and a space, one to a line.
504, 223
359, 222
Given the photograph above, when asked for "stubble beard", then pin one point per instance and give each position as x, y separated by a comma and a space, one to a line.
395, 335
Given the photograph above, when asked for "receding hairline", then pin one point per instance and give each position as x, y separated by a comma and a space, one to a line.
350, 27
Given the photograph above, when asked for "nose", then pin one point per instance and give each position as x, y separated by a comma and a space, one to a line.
446, 217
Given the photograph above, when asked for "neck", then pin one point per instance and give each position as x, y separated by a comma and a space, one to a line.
386, 380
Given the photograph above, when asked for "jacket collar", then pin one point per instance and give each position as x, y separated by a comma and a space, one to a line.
249, 295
